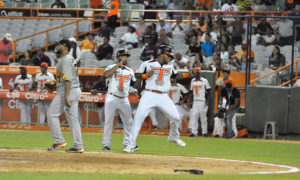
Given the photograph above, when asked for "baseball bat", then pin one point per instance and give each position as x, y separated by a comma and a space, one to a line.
192, 171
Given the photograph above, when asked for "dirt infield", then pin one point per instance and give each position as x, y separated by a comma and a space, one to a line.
12, 160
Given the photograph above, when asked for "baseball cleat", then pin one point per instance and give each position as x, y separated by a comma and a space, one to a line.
180, 143
128, 149
74, 150
136, 148
205, 135
54, 147
154, 127
106, 148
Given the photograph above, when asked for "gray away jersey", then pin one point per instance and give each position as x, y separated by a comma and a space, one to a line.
66, 71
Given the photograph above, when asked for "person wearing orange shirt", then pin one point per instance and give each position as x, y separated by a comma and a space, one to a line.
88, 44
243, 52
113, 14
96, 4
203, 4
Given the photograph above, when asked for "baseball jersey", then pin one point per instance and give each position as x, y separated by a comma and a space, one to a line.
66, 71
176, 92
199, 88
40, 79
24, 84
160, 80
119, 82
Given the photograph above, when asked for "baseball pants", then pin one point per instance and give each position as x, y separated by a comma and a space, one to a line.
56, 108
199, 110
26, 109
122, 105
101, 116
220, 124
43, 107
152, 115
183, 112
163, 103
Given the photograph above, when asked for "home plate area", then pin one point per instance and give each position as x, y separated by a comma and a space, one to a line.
28, 160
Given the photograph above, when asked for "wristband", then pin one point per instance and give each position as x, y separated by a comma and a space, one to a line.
145, 76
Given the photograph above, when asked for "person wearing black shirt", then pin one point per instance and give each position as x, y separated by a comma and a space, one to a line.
41, 57
149, 50
232, 96
58, 4
105, 51
105, 30
100, 87
262, 27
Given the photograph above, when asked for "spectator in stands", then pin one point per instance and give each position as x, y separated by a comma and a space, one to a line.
203, 4
88, 44
217, 63
296, 13
163, 38
233, 64
104, 30
258, 6
1, 4
27, 59
225, 40
150, 34
178, 26
276, 60
262, 26
255, 37
163, 25
231, 51
141, 29
243, 52
268, 39
180, 62
40, 58
58, 4
289, 4
75, 50
214, 37
229, 6
283, 31
149, 50
198, 63
243, 5
113, 14
175, 5
130, 39
188, 5
194, 47
6, 48
105, 51
189, 35
208, 49
224, 53
237, 31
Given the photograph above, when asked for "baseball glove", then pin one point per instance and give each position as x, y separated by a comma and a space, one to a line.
50, 85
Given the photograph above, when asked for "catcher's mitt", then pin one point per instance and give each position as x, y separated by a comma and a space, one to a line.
50, 85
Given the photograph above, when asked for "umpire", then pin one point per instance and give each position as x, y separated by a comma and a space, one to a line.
232, 96
66, 100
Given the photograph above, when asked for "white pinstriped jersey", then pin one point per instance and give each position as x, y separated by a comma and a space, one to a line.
176, 92
199, 88
40, 79
160, 80
119, 82
24, 84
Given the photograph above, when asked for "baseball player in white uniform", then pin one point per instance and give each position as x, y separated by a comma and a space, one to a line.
40, 80
177, 93
66, 100
157, 74
200, 88
120, 78
24, 82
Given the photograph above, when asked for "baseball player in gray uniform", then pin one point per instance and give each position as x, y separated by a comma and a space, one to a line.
120, 78
66, 100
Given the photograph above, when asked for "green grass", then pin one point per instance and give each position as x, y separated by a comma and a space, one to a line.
274, 152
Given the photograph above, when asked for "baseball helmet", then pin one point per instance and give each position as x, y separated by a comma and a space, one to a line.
164, 49
123, 52
66, 43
